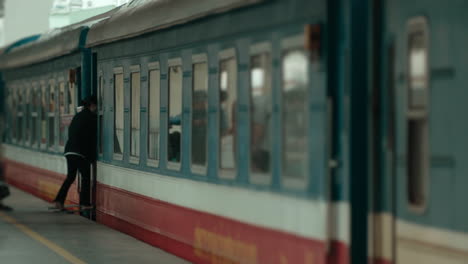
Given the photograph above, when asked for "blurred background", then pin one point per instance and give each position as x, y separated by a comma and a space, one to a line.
43, 15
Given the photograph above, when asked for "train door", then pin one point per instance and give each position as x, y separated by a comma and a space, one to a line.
411, 169
428, 227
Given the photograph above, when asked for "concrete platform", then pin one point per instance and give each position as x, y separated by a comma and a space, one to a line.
33, 234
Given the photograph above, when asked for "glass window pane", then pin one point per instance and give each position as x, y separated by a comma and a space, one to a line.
19, 134
100, 117
175, 113
62, 112
228, 101
417, 70
154, 99
51, 119
71, 99
52, 99
417, 158
417, 116
27, 115
118, 113
34, 104
135, 115
13, 112
51, 141
101, 93
200, 113
260, 118
294, 119
43, 115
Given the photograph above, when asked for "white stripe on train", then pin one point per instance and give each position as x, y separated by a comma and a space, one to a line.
298, 216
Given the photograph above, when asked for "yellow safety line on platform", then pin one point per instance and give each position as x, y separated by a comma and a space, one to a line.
51, 245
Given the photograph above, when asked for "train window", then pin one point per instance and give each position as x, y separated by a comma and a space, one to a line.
418, 113
12, 111
51, 116
43, 115
71, 98
35, 102
118, 114
154, 94
175, 112
199, 114
294, 113
19, 133
260, 113
52, 99
101, 112
62, 112
27, 116
135, 114
227, 115
101, 93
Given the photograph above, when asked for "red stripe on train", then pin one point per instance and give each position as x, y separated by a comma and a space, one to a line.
39, 182
206, 238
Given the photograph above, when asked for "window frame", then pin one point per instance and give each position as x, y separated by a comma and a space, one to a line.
52, 114
100, 112
20, 137
196, 168
61, 115
255, 50
34, 114
153, 66
225, 55
26, 113
43, 116
134, 159
116, 71
176, 166
418, 24
291, 43
14, 114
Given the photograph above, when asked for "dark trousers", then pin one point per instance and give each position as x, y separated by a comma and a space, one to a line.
76, 163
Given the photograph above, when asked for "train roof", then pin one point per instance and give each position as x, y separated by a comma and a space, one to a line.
143, 16
54, 43
23, 41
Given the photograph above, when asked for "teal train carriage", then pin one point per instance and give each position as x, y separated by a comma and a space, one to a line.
420, 147
44, 81
259, 131
204, 118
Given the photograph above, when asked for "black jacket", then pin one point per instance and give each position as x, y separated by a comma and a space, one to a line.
82, 136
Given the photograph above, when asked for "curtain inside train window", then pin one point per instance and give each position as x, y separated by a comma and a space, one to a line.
135, 115
175, 114
418, 114
118, 113
260, 114
199, 114
294, 114
227, 116
154, 116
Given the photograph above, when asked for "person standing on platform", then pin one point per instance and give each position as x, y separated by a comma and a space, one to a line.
4, 190
80, 152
